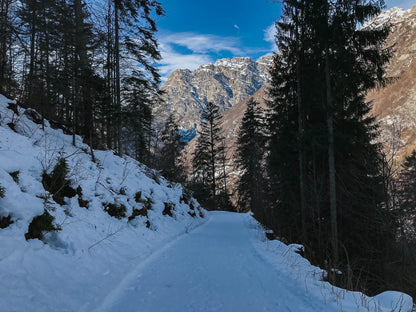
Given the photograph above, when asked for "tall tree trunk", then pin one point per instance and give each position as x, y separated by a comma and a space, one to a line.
212, 146
302, 184
331, 162
117, 73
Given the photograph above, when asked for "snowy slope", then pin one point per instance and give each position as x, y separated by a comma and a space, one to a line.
96, 262
79, 265
228, 265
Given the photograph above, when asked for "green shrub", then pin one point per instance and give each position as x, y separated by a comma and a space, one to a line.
138, 212
168, 209
148, 203
5, 222
186, 196
116, 210
138, 197
122, 191
15, 176
81, 201
148, 224
56, 183
40, 225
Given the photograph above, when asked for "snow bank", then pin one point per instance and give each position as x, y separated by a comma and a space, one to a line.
75, 268
286, 259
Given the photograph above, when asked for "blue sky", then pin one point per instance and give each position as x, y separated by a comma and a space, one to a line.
196, 32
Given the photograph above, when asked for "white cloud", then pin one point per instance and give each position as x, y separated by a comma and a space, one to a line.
172, 60
269, 36
198, 43
201, 50
236, 26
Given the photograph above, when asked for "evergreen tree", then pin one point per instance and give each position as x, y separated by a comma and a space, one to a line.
7, 39
170, 163
206, 157
131, 32
333, 188
249, 159
407, 197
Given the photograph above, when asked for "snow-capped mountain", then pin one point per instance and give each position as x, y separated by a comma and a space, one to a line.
225, 83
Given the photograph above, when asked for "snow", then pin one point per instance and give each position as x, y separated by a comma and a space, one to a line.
221, 262
226, 265
393, 16
77, 266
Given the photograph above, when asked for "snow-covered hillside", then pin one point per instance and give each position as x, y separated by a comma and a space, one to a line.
115, 242
75, 267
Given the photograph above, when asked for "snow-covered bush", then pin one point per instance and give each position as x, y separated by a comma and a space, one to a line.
56, 182
169, 207
41, 225
5, 222
116, 210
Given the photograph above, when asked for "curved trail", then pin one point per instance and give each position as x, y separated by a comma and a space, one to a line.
214, 268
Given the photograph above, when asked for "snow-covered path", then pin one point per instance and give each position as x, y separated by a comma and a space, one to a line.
214, 268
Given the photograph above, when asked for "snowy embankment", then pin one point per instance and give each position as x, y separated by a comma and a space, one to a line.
77, 266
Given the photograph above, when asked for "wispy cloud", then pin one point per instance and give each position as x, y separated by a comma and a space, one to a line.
199, 43
269, 36
236, 26
172, 60
200, 49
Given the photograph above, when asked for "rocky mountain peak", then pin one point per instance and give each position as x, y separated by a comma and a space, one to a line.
226, 82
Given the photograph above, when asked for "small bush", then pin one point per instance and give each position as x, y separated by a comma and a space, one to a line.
191, 206
81, 201
116, 210
15, 176
192, 214
122, 191
138, 197
40, 225
12, 126
138, 212
168, 209
148, 203
13, 107
148, 224
186, 196
2, 191
56, 183
33, 115
5, 222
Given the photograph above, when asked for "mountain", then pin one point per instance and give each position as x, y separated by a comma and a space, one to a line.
226, 83
395, 104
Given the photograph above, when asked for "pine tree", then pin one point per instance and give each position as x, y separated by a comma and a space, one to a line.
206, 157
170, 163
407, 196
249, 160
131, 32
7, 39
333, 188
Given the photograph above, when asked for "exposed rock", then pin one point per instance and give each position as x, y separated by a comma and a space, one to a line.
225, 83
